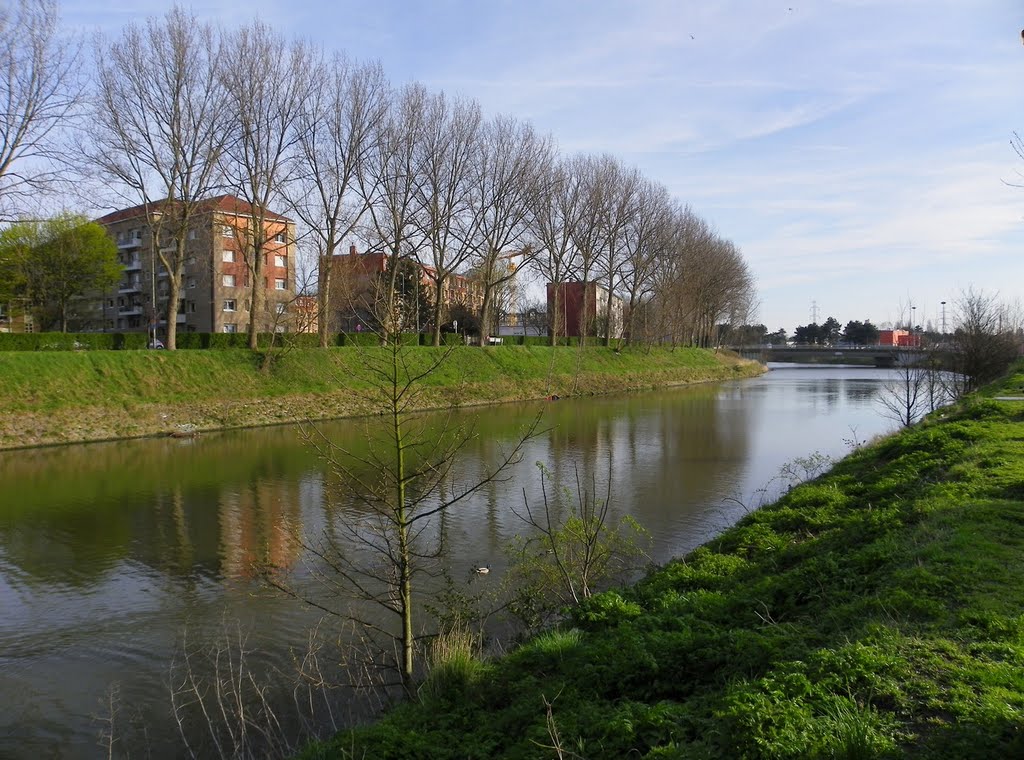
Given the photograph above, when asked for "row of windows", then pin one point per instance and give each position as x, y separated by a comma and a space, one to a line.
230, 257
228, 231
230, 304
231, 281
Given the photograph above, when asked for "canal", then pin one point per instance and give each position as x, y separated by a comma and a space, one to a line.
111, 554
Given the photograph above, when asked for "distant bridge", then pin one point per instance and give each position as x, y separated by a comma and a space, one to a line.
866, 356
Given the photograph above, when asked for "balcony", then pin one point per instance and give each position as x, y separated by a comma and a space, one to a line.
132, 310
129, 287
128, 243
132, 264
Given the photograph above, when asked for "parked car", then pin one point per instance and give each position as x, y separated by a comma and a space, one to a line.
156, 343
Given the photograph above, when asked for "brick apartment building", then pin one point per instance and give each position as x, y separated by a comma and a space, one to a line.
569, 314
354, 279
215, 289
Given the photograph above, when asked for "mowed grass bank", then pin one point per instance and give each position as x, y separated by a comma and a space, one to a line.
877, 612
62, 397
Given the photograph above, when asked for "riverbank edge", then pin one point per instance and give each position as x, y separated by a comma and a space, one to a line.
56, 410
872, 612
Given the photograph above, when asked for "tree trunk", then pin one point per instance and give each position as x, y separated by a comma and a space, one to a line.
555, 316
173, 292
438, 289
323, 298
258, 295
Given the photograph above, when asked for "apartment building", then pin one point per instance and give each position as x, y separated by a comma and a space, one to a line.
354, 293
215, 291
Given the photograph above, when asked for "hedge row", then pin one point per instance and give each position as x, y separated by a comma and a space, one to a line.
136, 341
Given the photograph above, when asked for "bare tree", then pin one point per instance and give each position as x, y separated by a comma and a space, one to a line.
588, 232
646, 238
986, 339
159, 127
403, 479
508, 174
904, 398
268, 83
334, 136
617, 210
390, 186
552, 223
40, 87
444, 213
574, 549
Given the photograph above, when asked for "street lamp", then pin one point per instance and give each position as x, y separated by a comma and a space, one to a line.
943, 318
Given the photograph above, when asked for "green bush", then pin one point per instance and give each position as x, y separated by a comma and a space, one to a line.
359, 339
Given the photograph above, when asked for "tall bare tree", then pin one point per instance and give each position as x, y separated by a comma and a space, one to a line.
268, 82
645, 238
552, 222
159, 126
510, 167
617, 210
445, 214
39, 88
390, 186
987, 338
588, 232
334, 136
404, 481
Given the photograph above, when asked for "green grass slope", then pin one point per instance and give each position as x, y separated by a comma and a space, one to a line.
876, 612
61, 397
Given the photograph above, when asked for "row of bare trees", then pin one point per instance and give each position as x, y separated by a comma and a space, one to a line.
179, 110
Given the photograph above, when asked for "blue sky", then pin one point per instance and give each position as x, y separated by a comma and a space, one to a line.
858, 151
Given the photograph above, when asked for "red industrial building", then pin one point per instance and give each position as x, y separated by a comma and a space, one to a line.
899, 339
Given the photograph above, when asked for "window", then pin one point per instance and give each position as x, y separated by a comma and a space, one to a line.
191, 307
229, 304
280, 261
280, 284
190, 283
227, 231
230, 327
191, 234
279, 237
228, 256
282, 308
228, 280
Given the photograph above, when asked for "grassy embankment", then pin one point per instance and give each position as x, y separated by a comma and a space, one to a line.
63, 397
876, 612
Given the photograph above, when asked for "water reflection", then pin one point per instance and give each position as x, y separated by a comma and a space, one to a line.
108, 550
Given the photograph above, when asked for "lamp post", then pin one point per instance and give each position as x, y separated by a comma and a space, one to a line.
943, 318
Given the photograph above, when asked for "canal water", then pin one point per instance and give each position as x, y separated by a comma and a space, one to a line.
112, 554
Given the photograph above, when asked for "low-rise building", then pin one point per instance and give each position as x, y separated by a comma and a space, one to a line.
355, 290
899, 338
578, 305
